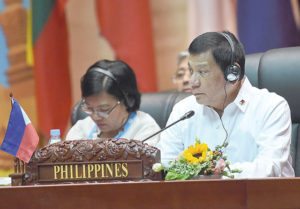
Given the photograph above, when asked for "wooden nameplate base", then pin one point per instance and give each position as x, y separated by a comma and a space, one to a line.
100, 160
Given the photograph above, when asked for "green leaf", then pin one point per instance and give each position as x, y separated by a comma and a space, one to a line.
176, 176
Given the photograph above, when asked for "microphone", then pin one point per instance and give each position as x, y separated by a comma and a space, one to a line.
185, 116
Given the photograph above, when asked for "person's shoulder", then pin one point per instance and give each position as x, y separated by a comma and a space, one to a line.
80, 129
266, 95
267, 101
187, 103
260, 94
85, 124
143, 118
140, 115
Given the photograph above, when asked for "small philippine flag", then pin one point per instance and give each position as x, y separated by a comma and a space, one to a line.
21, 139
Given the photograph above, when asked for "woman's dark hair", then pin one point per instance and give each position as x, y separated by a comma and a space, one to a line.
114, 77
220, 49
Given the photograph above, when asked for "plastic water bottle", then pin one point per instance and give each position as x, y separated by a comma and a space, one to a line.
54, 136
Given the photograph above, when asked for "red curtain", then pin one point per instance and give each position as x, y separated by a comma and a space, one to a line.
51, 66
127, 27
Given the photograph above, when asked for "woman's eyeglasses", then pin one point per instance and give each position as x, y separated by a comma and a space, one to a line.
98, 113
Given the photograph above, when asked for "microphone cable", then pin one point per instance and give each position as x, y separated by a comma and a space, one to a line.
225, 98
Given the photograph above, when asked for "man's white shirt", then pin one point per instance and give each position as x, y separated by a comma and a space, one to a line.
258, 124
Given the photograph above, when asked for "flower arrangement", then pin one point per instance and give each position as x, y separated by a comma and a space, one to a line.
198, 160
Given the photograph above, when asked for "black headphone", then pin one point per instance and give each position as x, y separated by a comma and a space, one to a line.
112, 77
232, 72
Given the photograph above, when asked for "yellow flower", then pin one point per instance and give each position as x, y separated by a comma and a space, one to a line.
196, 153
210, 155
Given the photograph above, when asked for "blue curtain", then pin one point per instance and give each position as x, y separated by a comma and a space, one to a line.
266, 24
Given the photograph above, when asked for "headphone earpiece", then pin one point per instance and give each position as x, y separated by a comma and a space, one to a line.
232, 72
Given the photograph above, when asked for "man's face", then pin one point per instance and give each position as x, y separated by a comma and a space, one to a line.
182, 76
207, 80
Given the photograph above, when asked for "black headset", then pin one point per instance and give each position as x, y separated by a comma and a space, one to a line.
112, 77
232, 72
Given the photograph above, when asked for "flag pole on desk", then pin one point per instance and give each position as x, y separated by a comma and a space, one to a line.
21, 138
17, 161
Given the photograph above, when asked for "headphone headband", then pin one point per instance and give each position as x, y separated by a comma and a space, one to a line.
111, 76
233, 71
229, 40
105, 72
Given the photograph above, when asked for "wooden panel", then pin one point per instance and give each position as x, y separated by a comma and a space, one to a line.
210, 194
275, 193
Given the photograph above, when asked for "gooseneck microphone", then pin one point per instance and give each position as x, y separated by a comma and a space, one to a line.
185, 116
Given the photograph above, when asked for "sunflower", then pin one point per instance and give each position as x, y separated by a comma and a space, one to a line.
196, 153
198, 160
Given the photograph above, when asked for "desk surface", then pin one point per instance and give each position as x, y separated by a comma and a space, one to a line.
271, 193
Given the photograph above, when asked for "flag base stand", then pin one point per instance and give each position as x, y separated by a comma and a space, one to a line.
17, 179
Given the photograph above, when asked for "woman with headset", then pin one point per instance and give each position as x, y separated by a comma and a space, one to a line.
111, 99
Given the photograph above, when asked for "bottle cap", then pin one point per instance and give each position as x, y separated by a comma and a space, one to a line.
55, 132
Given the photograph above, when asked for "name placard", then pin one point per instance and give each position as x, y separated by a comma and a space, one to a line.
90, 171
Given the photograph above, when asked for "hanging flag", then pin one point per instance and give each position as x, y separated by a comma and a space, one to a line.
29, 48
50, 63
268, 24
20, 138
127, 27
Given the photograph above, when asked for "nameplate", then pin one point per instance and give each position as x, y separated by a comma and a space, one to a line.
90, 171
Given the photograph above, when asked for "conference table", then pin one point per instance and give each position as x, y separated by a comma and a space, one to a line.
268, 193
